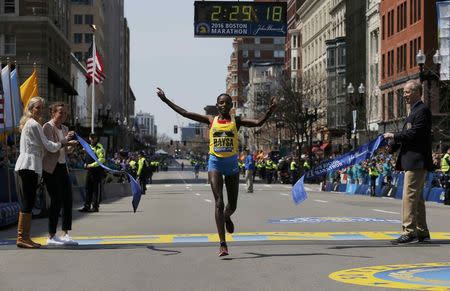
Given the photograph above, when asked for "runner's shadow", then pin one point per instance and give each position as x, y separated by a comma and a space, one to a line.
170, 252
261, 256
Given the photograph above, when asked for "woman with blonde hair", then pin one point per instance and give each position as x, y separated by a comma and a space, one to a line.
29, 164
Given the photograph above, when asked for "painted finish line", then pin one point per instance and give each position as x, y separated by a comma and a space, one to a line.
293, 220
237, 237
426, 276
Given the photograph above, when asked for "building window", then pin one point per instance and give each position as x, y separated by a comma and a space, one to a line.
383, 26
88, 19
278, 40
88, 38
383, 66
79, 56
78, 19
257, 53
415, 11
77, 38
401, 105
278, 54
294, 41
7, 44
257, 40
390, 105
294, 63
7, 6
245, 53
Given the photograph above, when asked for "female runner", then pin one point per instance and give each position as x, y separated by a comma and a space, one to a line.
223, 156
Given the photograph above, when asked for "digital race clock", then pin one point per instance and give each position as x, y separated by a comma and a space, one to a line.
240, 19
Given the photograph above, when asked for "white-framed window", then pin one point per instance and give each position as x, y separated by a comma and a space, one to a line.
245, 53
294, 63
7, 44
78, 19
294, 41
257, 53
257, 40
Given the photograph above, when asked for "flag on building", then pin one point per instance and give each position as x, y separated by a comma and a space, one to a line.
7, 100
99, 74
29, 88
17, 102
2, 108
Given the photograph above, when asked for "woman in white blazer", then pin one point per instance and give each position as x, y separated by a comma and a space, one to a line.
29, 165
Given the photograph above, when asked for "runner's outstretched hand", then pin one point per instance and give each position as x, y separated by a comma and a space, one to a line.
161, 94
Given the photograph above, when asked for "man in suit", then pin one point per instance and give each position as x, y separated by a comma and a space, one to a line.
415, 159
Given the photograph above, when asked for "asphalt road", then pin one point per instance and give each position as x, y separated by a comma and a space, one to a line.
170, 243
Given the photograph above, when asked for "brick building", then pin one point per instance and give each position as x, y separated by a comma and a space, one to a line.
407, 26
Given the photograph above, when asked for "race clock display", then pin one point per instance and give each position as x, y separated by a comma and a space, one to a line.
240, 19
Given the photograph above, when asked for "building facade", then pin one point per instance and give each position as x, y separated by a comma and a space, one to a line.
336, 72
36, 32
406, 28
373, 39
146, 124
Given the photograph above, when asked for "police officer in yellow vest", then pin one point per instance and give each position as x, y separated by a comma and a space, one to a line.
294, 171
94, 176
270, 167
445, 180
133, 167
142, 172
373, 174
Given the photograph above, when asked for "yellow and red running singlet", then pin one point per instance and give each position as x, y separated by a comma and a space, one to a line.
223, 138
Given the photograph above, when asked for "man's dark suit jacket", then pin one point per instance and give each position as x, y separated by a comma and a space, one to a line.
415, 140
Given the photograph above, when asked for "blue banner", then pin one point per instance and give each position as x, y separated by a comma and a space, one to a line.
135, 188
357, 156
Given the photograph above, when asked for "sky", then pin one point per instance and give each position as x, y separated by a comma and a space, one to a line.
165, 54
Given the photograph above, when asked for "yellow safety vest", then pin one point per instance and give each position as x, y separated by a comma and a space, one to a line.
373, 171
445, 167
223, 138
293, 166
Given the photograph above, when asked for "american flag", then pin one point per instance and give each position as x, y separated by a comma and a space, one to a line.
99, 67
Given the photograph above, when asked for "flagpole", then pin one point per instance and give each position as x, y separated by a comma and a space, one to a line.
6, 161
94, 57
13, 109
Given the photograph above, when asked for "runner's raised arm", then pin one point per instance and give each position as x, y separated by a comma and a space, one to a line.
191, 115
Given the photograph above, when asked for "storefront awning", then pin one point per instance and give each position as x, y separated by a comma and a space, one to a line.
61, 82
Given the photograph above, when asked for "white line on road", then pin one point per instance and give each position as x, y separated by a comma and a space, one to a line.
321, 201
284, 194
268, 186
197, 194
287, 187
384, 211
188, 185
308, 189
168, 185
207, 200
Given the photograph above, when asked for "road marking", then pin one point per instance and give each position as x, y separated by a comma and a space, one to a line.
243, 236
424, 276
287, 187
197, 194
268, 186
284, 194
168, 185
308, 188
384, 211
207, 200
188, 185
321, 201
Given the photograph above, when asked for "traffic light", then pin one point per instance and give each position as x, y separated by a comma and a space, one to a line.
175, 129
171, 142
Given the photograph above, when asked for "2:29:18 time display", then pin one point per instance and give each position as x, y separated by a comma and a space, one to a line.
245, 13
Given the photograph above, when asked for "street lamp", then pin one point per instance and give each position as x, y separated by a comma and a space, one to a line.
350, 91
428, 75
